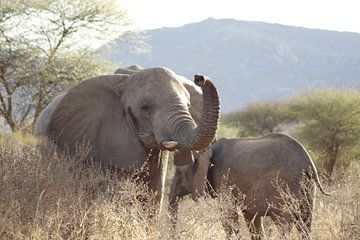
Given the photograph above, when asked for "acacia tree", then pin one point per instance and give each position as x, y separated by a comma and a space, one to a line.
257, 119
46, 46
329, 123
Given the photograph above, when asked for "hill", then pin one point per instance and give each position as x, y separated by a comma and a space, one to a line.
252, 61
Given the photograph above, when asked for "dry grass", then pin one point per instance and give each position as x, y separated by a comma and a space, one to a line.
60, 199
335, 217
338, 216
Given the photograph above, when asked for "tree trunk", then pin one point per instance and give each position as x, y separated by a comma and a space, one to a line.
330, 166
10, 121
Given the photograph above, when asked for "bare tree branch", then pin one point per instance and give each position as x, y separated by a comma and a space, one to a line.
43, 49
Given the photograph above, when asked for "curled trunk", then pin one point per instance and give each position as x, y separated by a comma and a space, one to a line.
201, 136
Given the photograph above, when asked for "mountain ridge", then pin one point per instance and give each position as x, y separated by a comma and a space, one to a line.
252, 61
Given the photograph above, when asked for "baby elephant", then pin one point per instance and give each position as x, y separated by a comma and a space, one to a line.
263, 169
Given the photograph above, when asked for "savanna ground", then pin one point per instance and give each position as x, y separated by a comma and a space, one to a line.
60, 199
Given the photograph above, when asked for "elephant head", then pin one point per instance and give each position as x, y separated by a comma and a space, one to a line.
182, 157
122, 117
194, 90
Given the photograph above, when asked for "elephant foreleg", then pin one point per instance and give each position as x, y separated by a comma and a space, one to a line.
230, 221
173, 212
254, 222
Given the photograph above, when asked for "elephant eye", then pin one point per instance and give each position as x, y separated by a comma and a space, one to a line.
146, 108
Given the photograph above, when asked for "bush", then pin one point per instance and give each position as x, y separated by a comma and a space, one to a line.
326, 121
258, 119
329, 124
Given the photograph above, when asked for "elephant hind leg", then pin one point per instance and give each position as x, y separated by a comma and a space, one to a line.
304, 228
283, 221
230, 222
304, 217
255, 225
304, 221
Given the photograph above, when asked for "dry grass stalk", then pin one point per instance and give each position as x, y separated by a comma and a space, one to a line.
59, 198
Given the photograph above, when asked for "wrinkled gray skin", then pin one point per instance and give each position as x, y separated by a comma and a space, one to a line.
129, 120
180, 157
253, 165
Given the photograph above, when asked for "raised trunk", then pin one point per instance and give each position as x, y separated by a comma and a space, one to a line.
201, 136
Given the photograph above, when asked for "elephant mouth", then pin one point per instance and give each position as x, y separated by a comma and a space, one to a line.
147, 137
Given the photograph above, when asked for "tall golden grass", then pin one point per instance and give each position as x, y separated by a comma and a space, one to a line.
59, 198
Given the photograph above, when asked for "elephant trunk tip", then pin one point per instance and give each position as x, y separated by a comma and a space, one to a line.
200, 80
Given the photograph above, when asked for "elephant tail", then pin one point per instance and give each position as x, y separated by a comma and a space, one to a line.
314, 173
320, 185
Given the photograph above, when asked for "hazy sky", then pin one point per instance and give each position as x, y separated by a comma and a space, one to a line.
339, 15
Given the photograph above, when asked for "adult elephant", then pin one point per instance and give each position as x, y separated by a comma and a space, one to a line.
181, 157
262, 169
129, 120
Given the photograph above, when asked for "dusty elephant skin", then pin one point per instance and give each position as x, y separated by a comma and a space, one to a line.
260, 168
182, 157
128, 120
129, 70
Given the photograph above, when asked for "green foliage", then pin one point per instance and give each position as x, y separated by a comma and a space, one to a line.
226, 131
18, 139
329, 123
258, 119
326, 121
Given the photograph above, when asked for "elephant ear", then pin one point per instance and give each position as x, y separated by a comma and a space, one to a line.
91, 113
195, 98
185, 157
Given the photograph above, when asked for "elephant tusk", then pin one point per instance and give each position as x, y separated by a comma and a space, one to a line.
169, 144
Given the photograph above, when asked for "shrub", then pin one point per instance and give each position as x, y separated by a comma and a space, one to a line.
258, 119
329, 124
